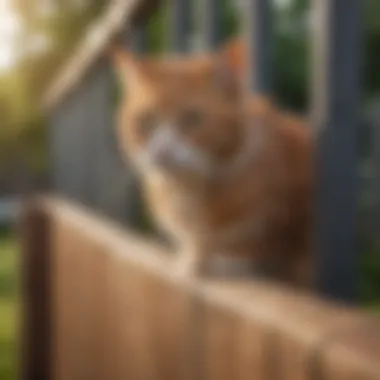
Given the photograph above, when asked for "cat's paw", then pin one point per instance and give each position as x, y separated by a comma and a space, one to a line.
189, 268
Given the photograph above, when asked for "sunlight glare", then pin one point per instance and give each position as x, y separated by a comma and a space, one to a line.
9, 27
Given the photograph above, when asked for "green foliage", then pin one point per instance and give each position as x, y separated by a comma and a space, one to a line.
21, 88
156, 29
370, 276
230, 19
9, 315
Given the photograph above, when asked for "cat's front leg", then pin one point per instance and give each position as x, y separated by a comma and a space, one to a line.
191, 261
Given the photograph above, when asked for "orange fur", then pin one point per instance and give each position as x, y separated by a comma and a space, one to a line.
247, 193
235, 53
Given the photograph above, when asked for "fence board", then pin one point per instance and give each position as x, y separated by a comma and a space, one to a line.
354, 354
252, 355
155, 325
169, 326
219, 347
73, 354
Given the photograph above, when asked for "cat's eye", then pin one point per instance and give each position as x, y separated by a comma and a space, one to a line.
147, 122
192, 118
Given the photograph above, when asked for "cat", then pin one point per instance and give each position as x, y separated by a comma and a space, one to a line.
224, 173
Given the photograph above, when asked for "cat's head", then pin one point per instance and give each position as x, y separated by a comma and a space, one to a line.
180, 116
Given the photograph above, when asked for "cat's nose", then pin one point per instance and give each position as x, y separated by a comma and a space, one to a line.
161, 145
162, 157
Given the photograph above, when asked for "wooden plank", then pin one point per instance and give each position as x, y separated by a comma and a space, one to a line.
232, 346
141, 363
292, 329
81, 309
336, 64
219, 345
150, 325
121, 331
353, 353
34, 230
172, 324
254, 356
69, 278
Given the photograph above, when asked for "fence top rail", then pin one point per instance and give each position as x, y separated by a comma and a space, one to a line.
118, 16
304, 316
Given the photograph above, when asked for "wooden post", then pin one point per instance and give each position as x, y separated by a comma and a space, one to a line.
179, 28
335, 116
258, 27
36, 337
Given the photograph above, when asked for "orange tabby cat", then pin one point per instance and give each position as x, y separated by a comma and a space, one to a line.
228, 178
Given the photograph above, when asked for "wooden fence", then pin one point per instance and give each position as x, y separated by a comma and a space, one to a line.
102, 303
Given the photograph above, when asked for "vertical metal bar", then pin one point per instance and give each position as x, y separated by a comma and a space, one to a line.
212, 26
179, 29
335, 115
258, 27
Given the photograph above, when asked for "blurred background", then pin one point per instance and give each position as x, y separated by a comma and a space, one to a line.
36, 36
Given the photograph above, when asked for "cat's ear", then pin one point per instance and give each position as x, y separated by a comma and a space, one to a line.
234, 53
225, 77
126, 65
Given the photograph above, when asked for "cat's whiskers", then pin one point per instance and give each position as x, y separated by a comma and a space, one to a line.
167, 151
